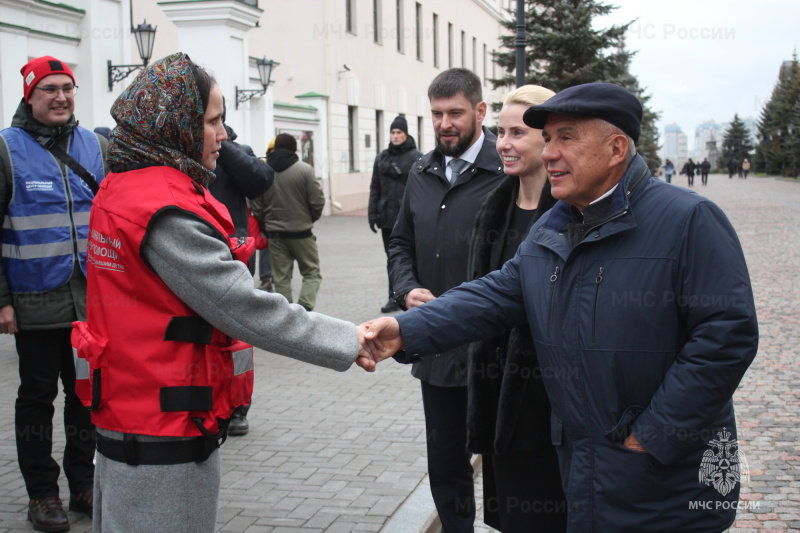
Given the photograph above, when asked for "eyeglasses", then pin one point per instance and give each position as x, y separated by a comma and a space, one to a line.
51, 91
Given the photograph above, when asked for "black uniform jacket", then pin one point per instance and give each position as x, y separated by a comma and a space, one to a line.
431, 240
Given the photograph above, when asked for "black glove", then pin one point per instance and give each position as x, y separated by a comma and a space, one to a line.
372, 227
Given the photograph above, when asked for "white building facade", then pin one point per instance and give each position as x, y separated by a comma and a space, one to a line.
346, 69
675, 145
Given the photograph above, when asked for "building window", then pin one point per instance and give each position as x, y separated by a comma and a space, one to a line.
352, 136
379, 142
400, 27
376, 21
475, 55
449, 45
436, 40
350, 15
485, 67
420, 126
494, 64
463, 50
418, 12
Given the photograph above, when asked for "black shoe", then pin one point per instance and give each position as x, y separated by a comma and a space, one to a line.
82, 502
267, 286
238, 425
48, 515
390, 306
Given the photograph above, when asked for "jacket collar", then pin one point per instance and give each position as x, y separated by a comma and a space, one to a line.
551, 230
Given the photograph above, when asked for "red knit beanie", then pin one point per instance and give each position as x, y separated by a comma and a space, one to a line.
37, 69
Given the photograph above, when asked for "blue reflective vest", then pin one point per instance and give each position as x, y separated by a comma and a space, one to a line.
47, 220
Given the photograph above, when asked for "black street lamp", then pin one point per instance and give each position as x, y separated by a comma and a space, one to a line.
145, 36
265, 67
792, 147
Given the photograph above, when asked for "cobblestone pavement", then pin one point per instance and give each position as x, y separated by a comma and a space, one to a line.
341, 452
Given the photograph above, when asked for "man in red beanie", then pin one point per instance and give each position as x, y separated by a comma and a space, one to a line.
49, 170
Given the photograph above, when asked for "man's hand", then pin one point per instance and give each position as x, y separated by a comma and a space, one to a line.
632, 443
386, 337
416, 297
372, 227
8, 320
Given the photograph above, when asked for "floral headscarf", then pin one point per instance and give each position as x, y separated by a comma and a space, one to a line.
160, 121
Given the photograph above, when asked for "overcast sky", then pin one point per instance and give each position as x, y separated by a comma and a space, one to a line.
708, 59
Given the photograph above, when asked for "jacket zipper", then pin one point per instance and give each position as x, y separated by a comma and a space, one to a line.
553, 280
597, 282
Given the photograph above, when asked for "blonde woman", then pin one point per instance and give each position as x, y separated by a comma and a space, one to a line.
509, 414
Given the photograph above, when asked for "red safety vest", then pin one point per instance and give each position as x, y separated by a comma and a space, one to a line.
145, 362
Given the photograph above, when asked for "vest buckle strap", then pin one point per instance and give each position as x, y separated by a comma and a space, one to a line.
188, 398
134, 452
188, 329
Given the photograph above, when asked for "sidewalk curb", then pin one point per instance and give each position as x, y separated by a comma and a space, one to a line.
418, 513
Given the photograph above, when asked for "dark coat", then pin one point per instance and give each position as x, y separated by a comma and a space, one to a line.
507, 407
644, 328
389, 177
239, 175
430, 242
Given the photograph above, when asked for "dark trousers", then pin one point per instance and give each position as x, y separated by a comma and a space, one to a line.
386, 233
704, 178
264, 265
522, 492
449, 466
43, 357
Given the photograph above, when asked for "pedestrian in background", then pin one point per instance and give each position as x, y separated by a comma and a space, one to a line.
428, 254
669, 170
49, 170
239, 175
688, 169
389, 177
264, 262
160, 366
287, 212
705, 167
745, 168
508, 410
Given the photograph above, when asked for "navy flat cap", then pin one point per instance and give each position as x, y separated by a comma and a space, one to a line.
605, 101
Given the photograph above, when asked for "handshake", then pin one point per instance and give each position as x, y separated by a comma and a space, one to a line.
378, 339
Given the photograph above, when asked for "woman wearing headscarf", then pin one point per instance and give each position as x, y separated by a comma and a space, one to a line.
168, 292
508, 409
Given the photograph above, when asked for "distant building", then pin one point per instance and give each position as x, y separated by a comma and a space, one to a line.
675, 144
707, 139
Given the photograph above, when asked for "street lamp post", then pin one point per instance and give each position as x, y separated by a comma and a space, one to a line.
145, 36
265, 67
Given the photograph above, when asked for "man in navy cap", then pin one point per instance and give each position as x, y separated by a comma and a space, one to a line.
639, 302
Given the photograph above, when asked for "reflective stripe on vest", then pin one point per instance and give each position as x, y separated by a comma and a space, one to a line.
81, 365
47, 220
242, 361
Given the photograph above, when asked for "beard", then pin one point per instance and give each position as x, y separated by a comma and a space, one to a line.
460, 146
